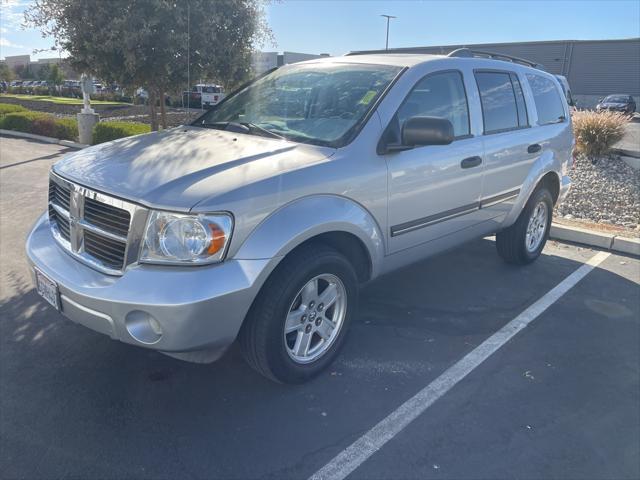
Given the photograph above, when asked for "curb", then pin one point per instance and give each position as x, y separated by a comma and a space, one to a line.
625, 152
42, 138
607, 241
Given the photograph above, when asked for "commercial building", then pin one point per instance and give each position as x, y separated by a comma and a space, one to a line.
20, 62
16, 61
594, 68
263, 61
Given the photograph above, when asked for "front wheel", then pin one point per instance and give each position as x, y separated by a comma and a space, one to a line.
522, 242
299, 320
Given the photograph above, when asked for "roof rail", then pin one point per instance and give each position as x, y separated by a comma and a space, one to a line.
468, 53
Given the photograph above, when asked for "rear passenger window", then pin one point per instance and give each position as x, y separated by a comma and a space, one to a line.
499, 107
439, 95
547, 98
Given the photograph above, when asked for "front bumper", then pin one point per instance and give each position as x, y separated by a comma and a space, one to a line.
171, 309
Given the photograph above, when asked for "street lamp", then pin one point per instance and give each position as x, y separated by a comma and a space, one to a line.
388, 17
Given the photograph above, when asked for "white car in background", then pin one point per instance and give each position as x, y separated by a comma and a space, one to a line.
209, 94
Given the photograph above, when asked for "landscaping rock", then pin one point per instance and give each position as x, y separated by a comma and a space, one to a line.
607, 192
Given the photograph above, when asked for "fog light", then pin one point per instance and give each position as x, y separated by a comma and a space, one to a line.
143, 327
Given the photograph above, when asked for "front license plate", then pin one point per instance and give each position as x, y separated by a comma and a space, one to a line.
48, 289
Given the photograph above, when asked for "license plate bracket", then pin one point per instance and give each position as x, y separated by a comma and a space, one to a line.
47, 289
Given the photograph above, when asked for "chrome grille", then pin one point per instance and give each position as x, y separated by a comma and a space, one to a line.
109, 252
60, 195
93, 227
107, 217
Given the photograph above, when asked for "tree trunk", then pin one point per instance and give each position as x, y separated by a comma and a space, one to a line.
153, 116
163, 110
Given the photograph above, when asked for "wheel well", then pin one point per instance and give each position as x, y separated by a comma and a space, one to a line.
551, 181
348, 245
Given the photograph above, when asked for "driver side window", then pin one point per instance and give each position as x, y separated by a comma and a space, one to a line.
438, 95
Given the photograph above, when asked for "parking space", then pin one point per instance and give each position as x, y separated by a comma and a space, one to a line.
558, 400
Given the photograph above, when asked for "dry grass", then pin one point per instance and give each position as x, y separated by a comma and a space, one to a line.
596, 132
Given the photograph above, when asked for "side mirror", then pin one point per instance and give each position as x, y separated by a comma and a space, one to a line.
419, 131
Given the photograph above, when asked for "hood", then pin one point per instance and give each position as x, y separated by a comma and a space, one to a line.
177, 168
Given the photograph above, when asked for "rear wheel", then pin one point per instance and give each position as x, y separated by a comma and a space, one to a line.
299, 320
522, 242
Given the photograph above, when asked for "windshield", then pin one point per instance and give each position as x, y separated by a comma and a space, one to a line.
318, 103
616, 99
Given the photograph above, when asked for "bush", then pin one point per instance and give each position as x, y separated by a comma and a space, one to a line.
107, 131
10, 108
40, 124
596, 132
66, 128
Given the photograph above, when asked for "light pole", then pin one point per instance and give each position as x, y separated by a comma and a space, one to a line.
188, 59
388, 17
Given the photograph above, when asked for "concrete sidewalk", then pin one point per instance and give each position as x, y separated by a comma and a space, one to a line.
629, 146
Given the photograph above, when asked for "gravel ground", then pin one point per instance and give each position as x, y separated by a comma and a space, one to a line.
127, 113
607, 192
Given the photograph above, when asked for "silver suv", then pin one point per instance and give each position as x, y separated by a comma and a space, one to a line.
260, 220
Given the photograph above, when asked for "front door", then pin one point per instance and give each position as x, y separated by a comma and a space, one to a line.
434, 190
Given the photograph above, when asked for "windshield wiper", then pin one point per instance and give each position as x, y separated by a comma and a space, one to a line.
230, 126
262, 130
242, 127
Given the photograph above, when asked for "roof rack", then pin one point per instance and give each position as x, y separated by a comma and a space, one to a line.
468, 53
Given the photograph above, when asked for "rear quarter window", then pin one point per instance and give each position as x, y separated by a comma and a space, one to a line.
547, 99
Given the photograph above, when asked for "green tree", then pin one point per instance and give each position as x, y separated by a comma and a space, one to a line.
23, 72
42, 73
151, 43
55, 77
6, 73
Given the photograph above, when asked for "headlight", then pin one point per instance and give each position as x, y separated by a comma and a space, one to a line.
186, 239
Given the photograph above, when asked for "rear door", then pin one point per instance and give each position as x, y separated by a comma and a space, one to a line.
509, 152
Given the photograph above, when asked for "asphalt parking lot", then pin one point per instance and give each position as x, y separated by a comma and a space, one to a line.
561, 399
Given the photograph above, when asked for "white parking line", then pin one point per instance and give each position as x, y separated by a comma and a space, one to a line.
354, 455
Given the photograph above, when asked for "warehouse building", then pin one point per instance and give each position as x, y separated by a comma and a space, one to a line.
594, 68
263, 61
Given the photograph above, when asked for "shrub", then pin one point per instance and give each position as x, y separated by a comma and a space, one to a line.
20, 121
10, 108
66, 128
40, 124
107, 131
596, 132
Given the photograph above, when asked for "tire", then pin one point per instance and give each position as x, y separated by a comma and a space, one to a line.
512, 242
263, 341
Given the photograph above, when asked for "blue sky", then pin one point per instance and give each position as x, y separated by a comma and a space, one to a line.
337, 26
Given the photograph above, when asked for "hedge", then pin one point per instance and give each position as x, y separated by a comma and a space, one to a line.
107, 131
40, 124
10, 108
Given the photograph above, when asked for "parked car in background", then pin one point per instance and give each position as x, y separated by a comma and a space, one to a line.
204, 95
260, 220
211, 95
564, 83
71, 88
617, 103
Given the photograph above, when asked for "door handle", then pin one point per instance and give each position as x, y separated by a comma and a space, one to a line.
471, 162
535, 148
